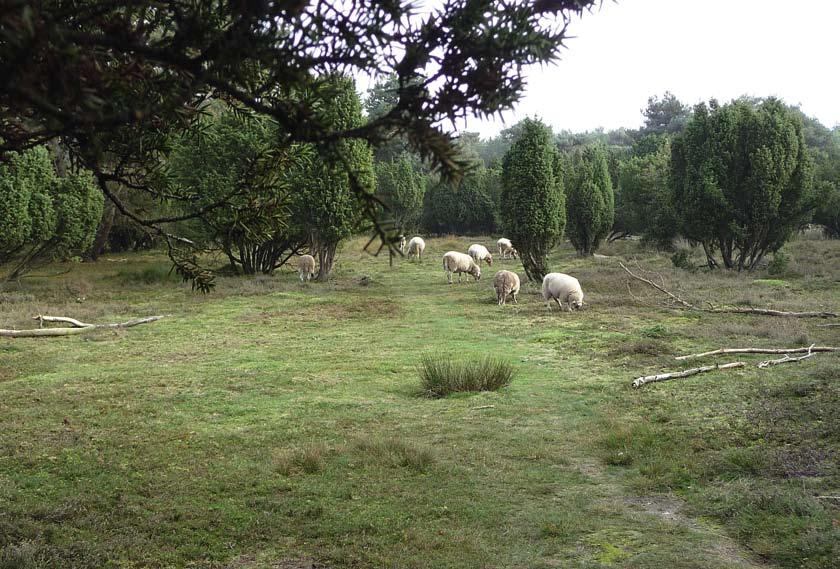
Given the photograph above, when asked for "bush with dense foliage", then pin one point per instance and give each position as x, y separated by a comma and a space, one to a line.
741, 179
464, 208
590, 202
643, 200
401, 184
44, 217
232, 160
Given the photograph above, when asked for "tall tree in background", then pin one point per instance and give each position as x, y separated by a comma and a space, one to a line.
401, 184
665, 115
534, 210
590, 202
643, 200
741, 180
464, 208
327, 203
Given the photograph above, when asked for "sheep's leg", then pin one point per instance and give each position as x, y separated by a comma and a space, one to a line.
514, 298
449, 276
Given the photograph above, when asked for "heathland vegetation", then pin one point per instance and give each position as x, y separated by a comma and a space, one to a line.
378, 416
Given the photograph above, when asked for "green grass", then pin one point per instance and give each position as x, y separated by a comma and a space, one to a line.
274, 424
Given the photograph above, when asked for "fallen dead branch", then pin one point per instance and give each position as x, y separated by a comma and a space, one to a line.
786, 359
78, 327
759, 351
673, 296
739, 310
640, 381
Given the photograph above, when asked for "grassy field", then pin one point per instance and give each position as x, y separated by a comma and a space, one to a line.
273, 424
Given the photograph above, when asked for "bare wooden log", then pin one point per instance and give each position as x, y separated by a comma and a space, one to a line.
734, 310
828, 325
640, 381
80, 327
72, 321
758, 351
770, 312
39, 332
786, 359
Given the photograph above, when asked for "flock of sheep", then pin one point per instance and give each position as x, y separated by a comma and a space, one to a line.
557, 287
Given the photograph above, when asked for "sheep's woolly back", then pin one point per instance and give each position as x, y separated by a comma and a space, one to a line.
506, 247
416, 245
562, 287
455, 262
306, 267
478, 252
306, 262
506, 283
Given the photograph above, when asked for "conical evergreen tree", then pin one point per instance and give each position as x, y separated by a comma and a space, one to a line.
532, 202
590, 201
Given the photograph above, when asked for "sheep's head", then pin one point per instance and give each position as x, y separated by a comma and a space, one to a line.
475, 271
576, 299
489, 260
515, 253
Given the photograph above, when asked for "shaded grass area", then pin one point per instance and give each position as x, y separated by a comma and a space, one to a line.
275, 421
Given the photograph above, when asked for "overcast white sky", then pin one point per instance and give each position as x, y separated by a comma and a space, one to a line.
627, 51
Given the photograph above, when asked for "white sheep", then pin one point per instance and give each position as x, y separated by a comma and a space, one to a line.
480, 253
506, 248
306, 267
562, 288
506, 283
455, 262
402, 243
416, 247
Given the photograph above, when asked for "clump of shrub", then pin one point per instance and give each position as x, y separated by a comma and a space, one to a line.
440, 377
682, 260
308, 460
779, 264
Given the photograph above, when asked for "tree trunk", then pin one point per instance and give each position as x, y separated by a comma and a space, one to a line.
709, 258
326, 255
103, 231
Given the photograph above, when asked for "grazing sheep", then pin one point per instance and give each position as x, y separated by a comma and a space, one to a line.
455, 262
480, 253
506, 283
402, 243
306, 267
506, 248
416, 247
562, 288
